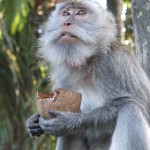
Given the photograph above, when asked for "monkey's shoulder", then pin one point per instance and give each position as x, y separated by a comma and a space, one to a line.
118, 61
119, 47
116, 54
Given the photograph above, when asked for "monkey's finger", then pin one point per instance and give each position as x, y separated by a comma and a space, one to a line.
54, 113
35, 131
39, 133
36, 134
33, 119
33, 126
44, 123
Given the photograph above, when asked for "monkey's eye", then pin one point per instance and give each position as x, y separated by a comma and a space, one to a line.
81, 12
66, 13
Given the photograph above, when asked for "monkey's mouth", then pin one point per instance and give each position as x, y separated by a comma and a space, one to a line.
68, 35
67, 38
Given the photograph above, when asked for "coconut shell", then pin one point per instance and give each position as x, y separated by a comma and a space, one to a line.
61, 100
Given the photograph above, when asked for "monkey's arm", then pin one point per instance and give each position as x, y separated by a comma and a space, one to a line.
66, 123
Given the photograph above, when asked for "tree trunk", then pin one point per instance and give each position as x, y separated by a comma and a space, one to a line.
115, 6
141, 23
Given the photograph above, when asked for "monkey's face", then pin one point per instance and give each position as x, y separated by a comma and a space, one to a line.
74, 23
74, 32
70, 17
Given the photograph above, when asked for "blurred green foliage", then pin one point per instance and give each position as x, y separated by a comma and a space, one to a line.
20, 73
129, 35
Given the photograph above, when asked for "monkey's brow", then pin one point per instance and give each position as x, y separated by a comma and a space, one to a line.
75, 6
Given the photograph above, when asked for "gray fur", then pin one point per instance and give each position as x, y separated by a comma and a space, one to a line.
115, 108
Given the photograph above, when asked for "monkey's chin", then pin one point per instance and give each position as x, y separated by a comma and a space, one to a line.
67, 39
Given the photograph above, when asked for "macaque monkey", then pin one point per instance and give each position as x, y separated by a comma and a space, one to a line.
80, 44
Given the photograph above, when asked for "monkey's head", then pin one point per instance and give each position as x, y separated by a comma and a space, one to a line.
75, 31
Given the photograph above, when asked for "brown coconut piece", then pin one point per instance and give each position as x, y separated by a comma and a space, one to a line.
61, 100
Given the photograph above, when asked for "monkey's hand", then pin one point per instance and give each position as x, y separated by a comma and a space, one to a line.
62, 123
33, 126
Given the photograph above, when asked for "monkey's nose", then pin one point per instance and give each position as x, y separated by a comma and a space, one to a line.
67, 23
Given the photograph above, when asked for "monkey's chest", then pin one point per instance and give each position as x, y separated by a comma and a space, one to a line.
91, 98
